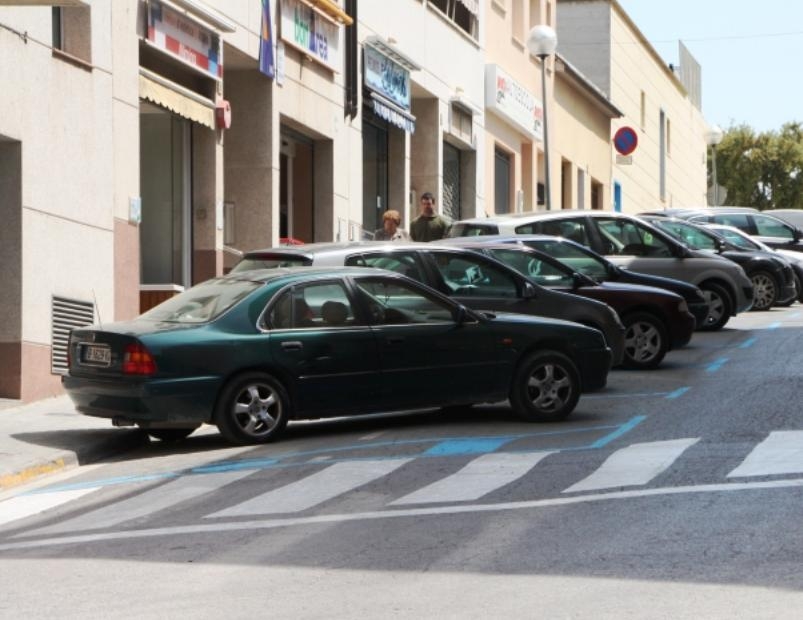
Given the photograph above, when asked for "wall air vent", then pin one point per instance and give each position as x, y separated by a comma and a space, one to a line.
67, 314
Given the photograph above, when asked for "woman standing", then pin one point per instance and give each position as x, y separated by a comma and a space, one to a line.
390, 230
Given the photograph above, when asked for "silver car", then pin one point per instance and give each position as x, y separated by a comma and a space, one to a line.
632, 243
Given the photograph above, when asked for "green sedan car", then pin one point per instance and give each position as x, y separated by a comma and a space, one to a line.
253, 350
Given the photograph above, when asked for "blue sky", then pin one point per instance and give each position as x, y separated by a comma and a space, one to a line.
750, 54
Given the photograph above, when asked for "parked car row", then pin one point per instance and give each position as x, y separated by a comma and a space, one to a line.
630, 242
534, 309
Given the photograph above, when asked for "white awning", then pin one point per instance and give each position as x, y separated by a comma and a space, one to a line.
393, 114
175, 98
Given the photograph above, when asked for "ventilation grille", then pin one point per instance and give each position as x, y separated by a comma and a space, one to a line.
67, 314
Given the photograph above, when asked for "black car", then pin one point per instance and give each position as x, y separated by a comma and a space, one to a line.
773, 279
655, 320
476, 281
587, 262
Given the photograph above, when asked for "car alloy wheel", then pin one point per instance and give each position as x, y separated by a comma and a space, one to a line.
765, 292
253, 408
719, 306
646, 342
546, 387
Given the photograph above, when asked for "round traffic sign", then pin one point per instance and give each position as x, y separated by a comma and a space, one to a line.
625, 140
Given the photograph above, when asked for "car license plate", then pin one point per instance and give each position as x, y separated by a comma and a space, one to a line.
97, 355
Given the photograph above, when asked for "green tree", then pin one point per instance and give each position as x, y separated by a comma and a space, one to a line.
762, 170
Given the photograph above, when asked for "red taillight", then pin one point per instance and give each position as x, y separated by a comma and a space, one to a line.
138, 360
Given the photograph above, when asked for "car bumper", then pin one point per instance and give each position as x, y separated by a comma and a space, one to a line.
699, 311
787, 293
593, 365
162, 401
745, 302
681, 329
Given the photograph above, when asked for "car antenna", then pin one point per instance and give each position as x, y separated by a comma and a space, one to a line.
97, 308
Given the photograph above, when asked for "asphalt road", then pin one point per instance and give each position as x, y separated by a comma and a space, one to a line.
673, 493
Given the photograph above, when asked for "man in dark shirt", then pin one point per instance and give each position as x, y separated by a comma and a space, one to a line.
428, 226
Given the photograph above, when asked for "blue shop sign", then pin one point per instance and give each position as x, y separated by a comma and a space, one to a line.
386, 77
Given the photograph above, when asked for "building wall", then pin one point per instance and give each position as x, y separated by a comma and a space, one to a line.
422, 33
634, 67
62, 114
584, 139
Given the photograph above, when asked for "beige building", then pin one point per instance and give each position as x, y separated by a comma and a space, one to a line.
668, 167
578, 116
144, 144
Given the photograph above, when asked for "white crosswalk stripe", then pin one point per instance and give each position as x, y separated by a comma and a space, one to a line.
314, 489
146, 503
637, 464
24, 506
634, 465
780, 453
481, 476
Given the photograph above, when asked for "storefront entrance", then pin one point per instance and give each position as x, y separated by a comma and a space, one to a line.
165, 185
374, 174
296, 188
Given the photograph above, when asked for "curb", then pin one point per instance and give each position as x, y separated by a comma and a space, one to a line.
65, 459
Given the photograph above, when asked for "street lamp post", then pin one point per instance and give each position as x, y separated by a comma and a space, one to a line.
713, 137
542, 41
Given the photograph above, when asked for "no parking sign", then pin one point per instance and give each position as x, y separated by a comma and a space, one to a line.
625, 140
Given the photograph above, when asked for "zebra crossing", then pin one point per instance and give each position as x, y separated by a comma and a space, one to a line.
632, 467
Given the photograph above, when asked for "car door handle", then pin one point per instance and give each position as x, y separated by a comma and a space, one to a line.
394, 340
292, 345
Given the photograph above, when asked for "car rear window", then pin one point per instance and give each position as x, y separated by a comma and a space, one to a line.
271, 261
202, 303
464, 229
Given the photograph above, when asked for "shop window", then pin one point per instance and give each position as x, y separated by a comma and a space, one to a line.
462, 12
72, 32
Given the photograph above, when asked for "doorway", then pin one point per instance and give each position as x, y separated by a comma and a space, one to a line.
296, 188
374, 175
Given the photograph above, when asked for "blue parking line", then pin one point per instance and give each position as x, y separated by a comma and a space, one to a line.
677, 393
716, 364
234, 466
775, 325
467, 446
623, 429
748, 343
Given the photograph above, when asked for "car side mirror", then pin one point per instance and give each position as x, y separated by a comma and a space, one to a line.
797, 234
460, 314
720, 246
682, 251
529, 291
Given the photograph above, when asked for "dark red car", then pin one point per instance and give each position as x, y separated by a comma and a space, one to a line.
656, 320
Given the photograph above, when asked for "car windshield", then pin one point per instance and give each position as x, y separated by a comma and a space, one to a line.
270, 261
739, 239
693, 237
202, 303
465, 229
572, 256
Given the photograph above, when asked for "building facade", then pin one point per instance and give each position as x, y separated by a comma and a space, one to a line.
668, 167
144, 144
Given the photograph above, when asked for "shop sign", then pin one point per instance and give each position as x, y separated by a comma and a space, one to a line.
386, 77
507, 98
308, 31
181, 37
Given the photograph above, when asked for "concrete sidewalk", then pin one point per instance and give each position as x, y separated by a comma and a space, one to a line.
49, 435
